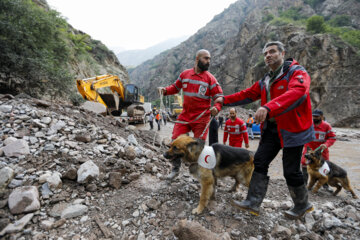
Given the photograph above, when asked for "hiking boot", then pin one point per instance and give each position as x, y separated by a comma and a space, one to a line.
299, 196
255, 196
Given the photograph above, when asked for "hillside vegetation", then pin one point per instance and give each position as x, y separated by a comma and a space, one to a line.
42, 55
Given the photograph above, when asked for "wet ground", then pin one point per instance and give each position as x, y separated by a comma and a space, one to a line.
344, 153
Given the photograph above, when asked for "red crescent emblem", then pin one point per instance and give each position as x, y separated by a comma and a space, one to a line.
206, 158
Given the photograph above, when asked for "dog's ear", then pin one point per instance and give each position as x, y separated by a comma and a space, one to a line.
192, 143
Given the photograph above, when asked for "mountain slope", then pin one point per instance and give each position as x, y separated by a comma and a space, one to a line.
132, 58
235, 39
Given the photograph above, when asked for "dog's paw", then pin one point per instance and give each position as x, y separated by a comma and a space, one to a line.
197, 211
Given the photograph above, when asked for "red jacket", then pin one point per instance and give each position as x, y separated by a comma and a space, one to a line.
237, 131
323, 135
198, 91
290, 103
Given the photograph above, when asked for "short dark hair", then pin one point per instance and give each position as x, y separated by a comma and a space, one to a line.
279, 45
250, 115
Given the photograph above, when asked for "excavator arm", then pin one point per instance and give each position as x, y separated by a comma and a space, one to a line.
88, 87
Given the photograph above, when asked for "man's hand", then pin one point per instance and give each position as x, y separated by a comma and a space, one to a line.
323, 146
247, 145
161, 90
261, 114
214, 111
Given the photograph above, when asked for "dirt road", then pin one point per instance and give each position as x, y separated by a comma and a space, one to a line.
344, 153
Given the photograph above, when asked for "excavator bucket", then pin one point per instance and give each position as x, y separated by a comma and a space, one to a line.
112, 102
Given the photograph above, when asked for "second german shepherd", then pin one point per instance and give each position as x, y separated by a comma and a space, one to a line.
230, 161
336, 177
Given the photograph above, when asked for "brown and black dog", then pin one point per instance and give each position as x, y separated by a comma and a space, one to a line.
230, 161
337, 177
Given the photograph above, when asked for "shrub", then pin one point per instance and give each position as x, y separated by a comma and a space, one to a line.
268, 17
315, 24
340, 21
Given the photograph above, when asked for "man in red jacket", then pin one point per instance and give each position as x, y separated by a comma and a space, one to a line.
324, 138
286, 123
199, 87
236, 128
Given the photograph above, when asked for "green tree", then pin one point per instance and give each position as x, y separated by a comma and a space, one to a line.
33, 47
315, 24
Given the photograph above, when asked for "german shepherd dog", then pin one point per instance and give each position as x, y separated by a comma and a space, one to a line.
337, 177
230, 161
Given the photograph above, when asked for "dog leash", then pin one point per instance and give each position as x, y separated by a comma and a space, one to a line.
318, 149
162, 107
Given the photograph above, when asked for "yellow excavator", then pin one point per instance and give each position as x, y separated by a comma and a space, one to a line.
122, 97
177, 106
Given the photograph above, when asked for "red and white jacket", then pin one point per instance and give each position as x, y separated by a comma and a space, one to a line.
290, 103
237, 131
198, 91
323, 135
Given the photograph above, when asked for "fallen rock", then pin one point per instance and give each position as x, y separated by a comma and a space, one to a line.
83, 138
95, 107
17, 148
130, 152
187, 230
6, 175
24, 199
87, 172
115, 180
281, 232
18, 225
74, 211
70, 174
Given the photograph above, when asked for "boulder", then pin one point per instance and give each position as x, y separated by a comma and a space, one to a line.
17, 148
18, 225
24, 199
6, 175
87, 172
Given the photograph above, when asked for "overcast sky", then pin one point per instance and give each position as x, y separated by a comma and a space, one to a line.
138, 24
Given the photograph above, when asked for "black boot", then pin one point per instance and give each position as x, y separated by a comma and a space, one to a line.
176, 169
256, 194
301, 205
306, 175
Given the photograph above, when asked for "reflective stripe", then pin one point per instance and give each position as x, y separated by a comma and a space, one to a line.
236, 126
243, 125
237, 133
319, 132
319, 140
332, 138
218, 95
195, 82
329, 131
196, 95
176, 87
212, 86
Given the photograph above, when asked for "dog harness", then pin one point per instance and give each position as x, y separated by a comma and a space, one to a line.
324, 170
207, 158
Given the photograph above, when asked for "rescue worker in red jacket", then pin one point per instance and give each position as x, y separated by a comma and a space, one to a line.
324, 138
236, 128
286, 123
199, 87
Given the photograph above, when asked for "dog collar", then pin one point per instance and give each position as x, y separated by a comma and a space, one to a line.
207, 158
325, 169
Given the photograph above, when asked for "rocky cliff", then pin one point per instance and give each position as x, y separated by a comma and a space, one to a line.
235, 39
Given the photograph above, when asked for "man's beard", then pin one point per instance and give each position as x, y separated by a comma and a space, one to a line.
317, 121
203, 67
233, 118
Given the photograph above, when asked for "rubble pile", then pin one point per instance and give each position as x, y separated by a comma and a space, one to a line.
66, 173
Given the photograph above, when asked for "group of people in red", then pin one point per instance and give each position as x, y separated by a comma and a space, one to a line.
285, 116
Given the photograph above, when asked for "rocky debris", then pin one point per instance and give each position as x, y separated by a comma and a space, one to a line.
94, 107
124, 196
